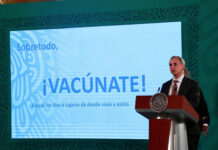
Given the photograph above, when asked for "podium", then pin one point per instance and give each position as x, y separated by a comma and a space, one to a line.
167, 129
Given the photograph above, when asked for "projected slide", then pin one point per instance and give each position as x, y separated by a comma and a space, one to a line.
82, 82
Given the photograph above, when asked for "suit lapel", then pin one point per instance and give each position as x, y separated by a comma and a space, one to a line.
182, 86
168, 86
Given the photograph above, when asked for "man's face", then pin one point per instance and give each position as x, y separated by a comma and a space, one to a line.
176, 68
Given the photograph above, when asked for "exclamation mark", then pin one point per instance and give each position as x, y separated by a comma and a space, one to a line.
44, 87
143, 83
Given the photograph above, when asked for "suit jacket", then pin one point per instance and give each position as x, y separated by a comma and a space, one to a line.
203, 111
190, 89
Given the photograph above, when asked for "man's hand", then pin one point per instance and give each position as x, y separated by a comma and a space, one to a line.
205, 129
205, 126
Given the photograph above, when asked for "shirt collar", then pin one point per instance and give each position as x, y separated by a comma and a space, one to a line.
180, 78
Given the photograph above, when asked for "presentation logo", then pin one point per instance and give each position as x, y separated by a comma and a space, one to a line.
27, 69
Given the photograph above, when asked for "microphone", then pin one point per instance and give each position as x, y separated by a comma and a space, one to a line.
158, 91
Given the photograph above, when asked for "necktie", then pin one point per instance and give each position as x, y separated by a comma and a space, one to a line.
174, 88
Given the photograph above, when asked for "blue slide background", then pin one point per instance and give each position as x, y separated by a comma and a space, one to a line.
43, 102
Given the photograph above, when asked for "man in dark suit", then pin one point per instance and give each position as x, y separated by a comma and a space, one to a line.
181, 85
